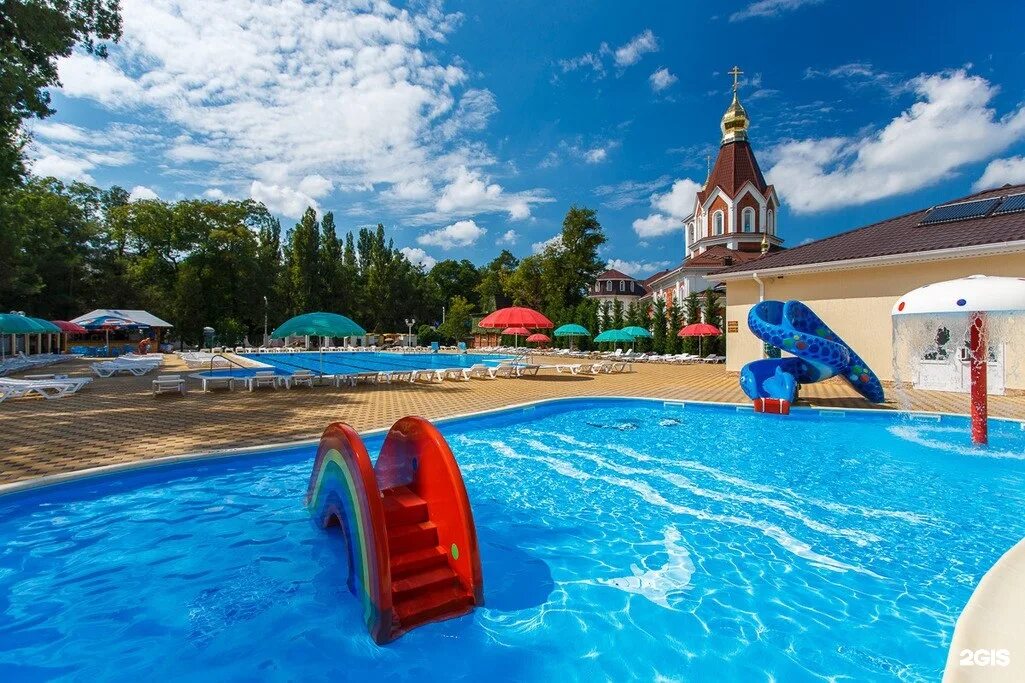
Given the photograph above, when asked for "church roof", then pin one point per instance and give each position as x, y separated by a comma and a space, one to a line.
735, 165
613, 274
720, 256
906, 234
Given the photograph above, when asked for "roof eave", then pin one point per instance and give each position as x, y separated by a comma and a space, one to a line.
869, 261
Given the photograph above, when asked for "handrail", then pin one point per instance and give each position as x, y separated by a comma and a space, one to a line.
230, 361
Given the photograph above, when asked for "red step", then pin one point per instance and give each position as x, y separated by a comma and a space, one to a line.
423, 582
443, 603
402, 506
410, 537
416, 561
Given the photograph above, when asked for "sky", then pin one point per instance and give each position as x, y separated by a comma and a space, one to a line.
470, 127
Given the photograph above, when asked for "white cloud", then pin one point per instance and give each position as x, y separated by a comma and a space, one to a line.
596, 155
280, 199
641, 44
356, 93
1002, 171
661, 79
509, 237
140, 193
60, 132
637, 269
656, 225
419, 257
63, 168
591, 60
216, 194
459, 234
770, 8
629, 192
951, 124
470, 193
670, 209
551, 242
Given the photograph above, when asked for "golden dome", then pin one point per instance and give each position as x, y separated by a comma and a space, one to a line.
734, 122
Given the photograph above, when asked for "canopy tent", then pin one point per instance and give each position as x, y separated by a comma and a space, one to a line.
14, 323
699, 330
319, 324
108, 323
140, 318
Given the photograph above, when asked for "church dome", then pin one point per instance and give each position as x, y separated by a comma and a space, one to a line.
734, 122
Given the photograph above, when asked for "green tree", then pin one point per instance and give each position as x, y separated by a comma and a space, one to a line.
491, 291
302, 265
711, 312
617, 314
34, 35
674, 320
458, 320
691, 315
658, 326
450, 278
605, 315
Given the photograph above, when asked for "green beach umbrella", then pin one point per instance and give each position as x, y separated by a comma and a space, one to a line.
319, 324
47, 326
614, 336
12, 323
572, 331
637, 332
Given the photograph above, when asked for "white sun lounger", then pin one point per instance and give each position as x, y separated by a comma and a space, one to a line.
263, 378
110, 368
47, 388
349, 379
428, 374
502, 371
479, 370
571, 368
168, 384
457, 373
299, 378
388, 376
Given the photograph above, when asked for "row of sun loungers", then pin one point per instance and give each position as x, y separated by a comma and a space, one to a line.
21, 362
129, 364
46, 386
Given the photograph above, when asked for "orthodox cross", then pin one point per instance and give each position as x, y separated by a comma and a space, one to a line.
735, 72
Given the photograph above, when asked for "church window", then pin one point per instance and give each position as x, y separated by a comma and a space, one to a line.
717, 221
770, 223
748, 219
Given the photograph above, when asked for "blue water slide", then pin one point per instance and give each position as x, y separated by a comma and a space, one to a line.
818, 354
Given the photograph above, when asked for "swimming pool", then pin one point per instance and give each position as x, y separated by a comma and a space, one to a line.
620, 539
350, 362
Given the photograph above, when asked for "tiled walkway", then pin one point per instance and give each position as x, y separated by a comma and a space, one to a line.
117, 420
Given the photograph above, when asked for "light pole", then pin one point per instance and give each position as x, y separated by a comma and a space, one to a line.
264, 321
409, 323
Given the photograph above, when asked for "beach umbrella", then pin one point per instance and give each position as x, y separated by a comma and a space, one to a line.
319, 324
699, 330
108, 323
637, 332
515, 316
613, 336
539, 338
68, 328
516, 332
571, 330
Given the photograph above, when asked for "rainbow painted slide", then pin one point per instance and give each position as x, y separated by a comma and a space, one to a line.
407, 523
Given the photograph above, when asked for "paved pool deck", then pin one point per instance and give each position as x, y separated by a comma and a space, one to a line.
118, 420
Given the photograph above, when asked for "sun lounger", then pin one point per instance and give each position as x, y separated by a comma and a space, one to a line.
366, 378
299, 378
390, 376
47, 388
479, 370
713, 358
456, 373
223, 382
594, 368
263, 378
112, 367
571, 368
166, 384
349, 379
525, 369
621, 366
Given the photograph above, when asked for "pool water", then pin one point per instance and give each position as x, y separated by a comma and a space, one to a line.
350, 362
620, 539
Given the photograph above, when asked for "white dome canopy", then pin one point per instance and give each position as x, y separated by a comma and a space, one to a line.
972, 294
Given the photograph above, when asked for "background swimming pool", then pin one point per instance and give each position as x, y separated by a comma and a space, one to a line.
620, 539
349, 362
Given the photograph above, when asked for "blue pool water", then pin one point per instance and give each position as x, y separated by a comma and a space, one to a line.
350, 362
620, 539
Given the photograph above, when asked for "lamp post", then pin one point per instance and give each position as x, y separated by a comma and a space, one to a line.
409, 337
264, 321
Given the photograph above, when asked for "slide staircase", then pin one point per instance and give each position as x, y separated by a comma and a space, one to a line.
407, 523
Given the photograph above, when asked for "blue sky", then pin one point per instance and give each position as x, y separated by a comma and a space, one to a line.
467, 127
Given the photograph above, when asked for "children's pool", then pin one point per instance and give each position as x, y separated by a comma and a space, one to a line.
620, 539
352, 362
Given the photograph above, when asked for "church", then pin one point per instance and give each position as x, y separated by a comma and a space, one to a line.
734, 220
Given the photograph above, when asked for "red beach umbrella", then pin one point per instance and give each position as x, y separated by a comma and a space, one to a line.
516, 331
539, 338
69, 328
699, 330
515, 316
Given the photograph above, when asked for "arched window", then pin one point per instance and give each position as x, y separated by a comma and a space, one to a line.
770, 223
748, 219
692, 233
717, 222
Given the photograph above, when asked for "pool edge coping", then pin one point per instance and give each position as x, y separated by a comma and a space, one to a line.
49, 480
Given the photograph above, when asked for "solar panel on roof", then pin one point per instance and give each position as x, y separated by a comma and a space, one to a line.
959, 212
1013, 204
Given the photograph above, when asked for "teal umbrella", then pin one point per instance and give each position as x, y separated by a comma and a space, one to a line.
613, 336
47, 326
637, 332
319, 324
572, 330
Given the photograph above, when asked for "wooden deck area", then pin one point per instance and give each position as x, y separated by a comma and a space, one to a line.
118, 420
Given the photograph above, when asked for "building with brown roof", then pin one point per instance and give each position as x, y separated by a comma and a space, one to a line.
734, 216
613, 285
852, 280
